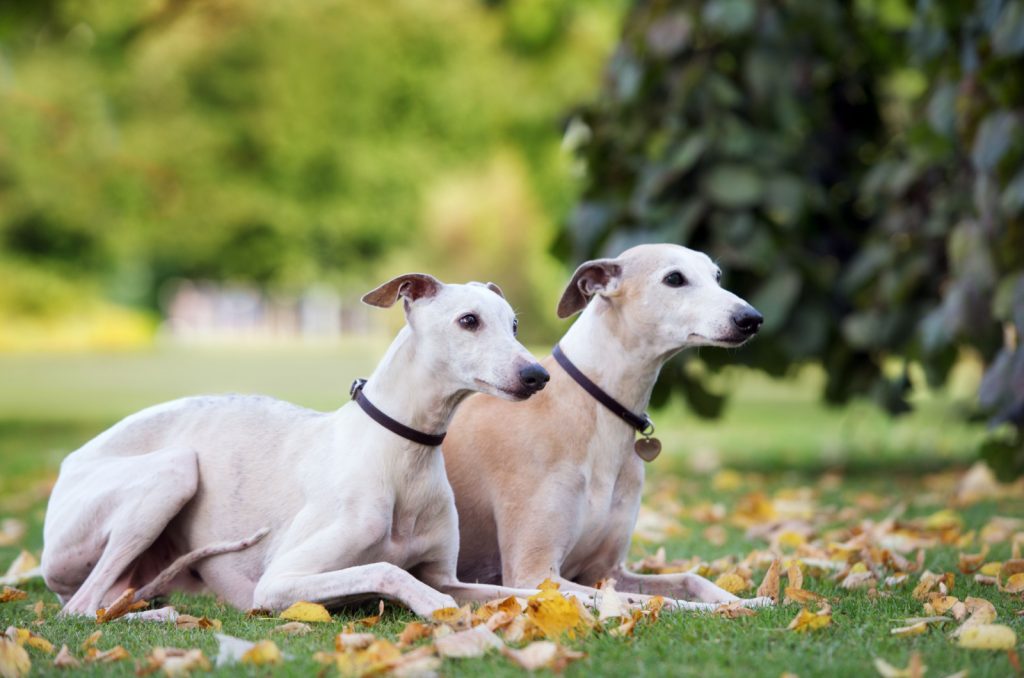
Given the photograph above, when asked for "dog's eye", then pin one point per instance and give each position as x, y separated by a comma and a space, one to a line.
515, 327
718, 276
469, 322
674, 279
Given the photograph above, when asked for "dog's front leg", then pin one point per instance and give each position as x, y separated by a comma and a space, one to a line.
683, 586
278, 591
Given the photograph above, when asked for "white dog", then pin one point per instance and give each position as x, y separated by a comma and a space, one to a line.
551, 488
265, 503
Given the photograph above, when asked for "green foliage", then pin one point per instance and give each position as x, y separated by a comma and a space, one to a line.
855, 167
275, 144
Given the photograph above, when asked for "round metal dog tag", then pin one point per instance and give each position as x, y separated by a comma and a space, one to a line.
647, 449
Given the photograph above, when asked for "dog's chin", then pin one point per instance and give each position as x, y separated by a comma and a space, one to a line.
730, 340
513, 394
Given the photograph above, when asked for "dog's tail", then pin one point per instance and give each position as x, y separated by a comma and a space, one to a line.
160, 582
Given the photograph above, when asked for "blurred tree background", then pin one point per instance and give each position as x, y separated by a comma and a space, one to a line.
856, 167
283, 145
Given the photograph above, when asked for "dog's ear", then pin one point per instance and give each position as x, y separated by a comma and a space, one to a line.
411, 286
592, 277
497, 290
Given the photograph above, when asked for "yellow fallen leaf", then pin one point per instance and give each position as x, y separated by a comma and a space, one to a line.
114, 654
26, 637
733, 610
91, 641
911, 630
553, 614
803, 597
732, 582
611, 605
306, 612
263, 653
14, 661
939, 604
991, 569
415, 630
20, 567
988, 637
353, 641
806, 620
456, 617
1015, 584
9, 595
173, 661
548, 585
770, 584
795, 575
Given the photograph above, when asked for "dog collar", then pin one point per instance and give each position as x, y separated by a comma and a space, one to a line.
396, 427
647, 448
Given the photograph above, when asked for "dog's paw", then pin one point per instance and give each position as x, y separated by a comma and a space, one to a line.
762, 601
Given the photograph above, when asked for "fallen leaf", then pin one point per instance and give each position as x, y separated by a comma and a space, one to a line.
769, 587
969, 563
415, 630
114, 654
542, 654
293, 629
124, 604
173, 662
9, 595
65, 660
24, 567
915, 669
1015, 584
458, 618
306, 612
806, 620
940, 604
911, 630
803, 597
27, 637
14, 661
733, 610
988, 637
187, 621
732, 582
553, 614
795, 576
353, 641
91, 641
611, 605
474, 642
263, 653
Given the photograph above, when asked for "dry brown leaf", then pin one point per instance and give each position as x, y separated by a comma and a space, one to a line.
806, 620
969, 563
734, 610
803, 597
474, 642
65, 660
988, 637
24, 567
415, 630
114, 654
303, 611
263, 653
187, 621
769, 587
293, 628
124, 604
542, 654
939, 604
14, 661
795, 576
9, 595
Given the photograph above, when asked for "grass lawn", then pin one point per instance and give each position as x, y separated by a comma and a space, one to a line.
776, 435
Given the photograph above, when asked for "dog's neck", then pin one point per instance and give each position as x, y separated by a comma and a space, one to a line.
610, 354
405, 386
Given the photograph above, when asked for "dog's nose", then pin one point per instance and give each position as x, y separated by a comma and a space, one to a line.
747, 320
534, 377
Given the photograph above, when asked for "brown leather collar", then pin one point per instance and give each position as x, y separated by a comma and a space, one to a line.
642, 424
396, 427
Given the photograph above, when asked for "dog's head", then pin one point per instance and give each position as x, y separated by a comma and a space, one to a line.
667, 296
467, 332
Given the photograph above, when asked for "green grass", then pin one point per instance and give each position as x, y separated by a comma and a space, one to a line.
51, 404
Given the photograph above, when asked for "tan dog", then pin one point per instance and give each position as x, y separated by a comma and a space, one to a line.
551, 487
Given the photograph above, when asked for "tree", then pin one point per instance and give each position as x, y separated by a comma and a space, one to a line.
856, 167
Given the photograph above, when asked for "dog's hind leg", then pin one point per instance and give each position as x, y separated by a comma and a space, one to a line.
104, 513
